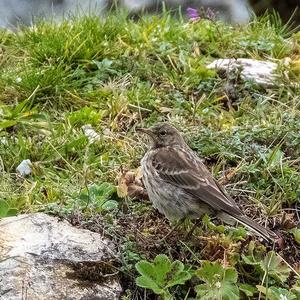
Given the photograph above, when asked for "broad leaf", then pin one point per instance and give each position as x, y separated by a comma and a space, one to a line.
110, 204
247, 289
99, 197
12, 212
161, 274
7, 124
149, 279
275, 293
105, 189
250, 260
220, 282
4, 208
296, 233
275, 157
177, 275
275, 267
254, 256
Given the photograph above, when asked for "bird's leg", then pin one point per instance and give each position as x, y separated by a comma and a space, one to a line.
173, 229
189, 234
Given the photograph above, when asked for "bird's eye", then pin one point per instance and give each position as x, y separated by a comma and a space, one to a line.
162, 133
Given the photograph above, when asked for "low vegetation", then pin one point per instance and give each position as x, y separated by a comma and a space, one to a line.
116, 74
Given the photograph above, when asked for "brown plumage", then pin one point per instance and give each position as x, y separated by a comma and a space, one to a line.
179, 184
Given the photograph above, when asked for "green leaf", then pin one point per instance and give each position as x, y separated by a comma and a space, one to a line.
85, 115
209, 271
296, 290
84, 198
250, 260
109, 205
153, 273
98, 196
162, 265
21, 106
104, 64
238, 233
4, 208
275, 267
247, 289
220, 282
105, 189
149, 283
296, 233
6, 211
161, 274
210, 225
275, 293
177, 275
275, 157
7, 124
12, 212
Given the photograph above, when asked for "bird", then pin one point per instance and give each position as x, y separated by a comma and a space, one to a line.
180, 186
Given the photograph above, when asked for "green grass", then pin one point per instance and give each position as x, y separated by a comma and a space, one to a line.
116, 74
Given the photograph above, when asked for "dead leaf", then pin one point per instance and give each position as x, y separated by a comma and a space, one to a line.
130, 184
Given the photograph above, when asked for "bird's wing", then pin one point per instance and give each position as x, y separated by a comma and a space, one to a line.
177, 168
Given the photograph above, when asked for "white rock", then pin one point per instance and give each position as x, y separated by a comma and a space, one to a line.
38, 255
261, 72
24, 168
90, 133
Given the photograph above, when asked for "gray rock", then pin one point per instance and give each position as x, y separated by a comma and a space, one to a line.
42, 257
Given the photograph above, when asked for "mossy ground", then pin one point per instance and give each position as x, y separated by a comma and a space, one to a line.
116, 74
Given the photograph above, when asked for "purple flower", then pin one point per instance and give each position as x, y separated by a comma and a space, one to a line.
192, 13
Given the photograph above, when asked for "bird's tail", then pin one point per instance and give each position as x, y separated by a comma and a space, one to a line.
259, 229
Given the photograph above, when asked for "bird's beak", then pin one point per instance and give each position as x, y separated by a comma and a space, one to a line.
147, 131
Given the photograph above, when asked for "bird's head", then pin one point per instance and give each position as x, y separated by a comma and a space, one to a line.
163, 135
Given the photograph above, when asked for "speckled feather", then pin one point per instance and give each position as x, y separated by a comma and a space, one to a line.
179, 184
